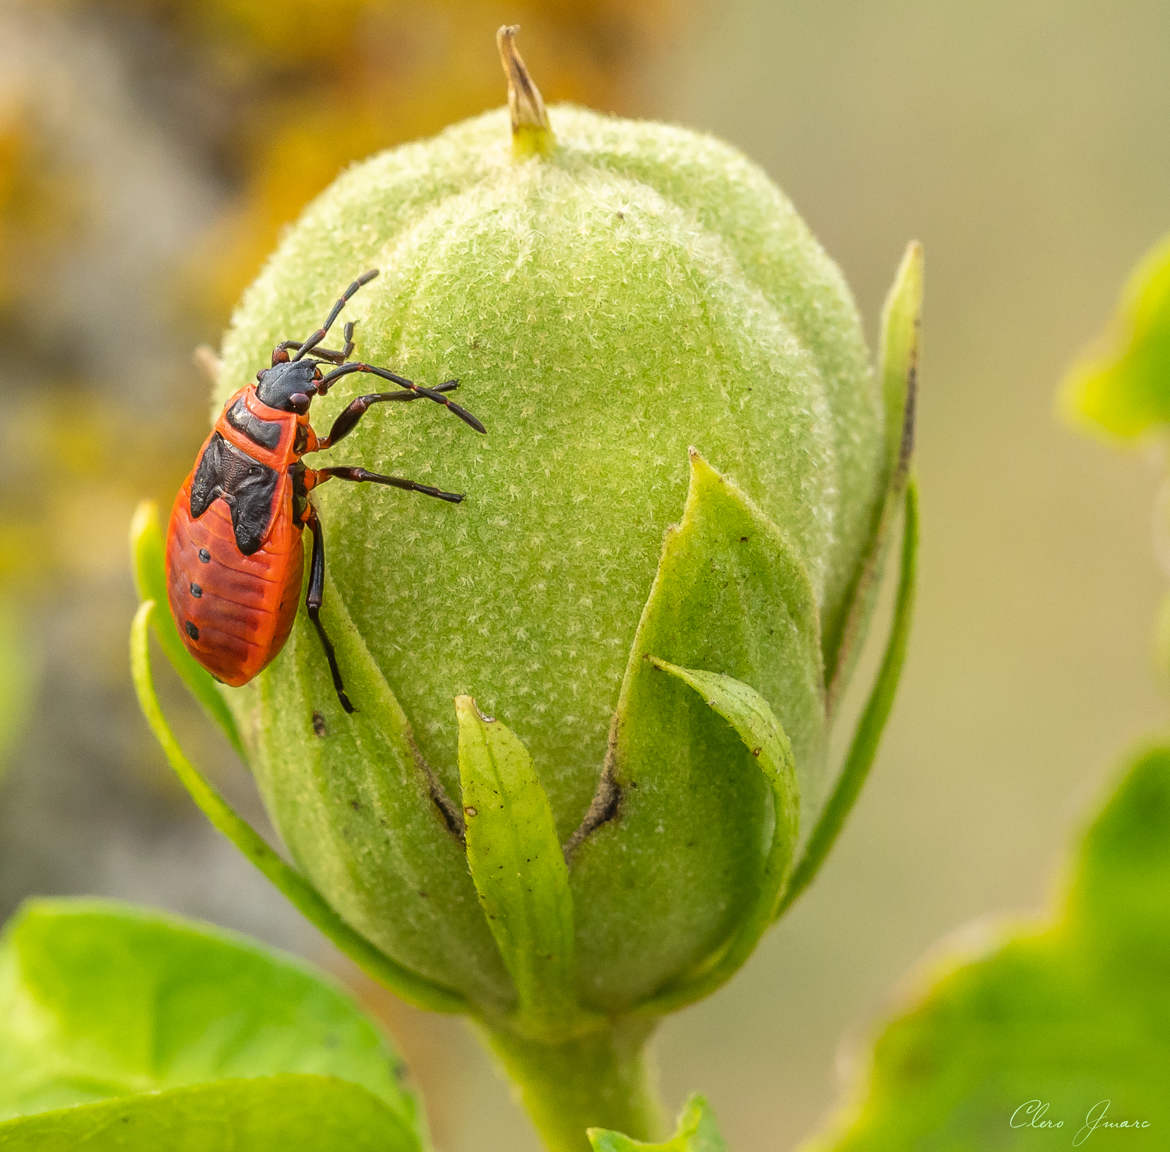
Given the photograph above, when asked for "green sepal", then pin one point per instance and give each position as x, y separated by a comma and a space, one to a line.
519, 872
269, 1114
898, 361
299, 891
863, 748
100, 1000
1121, 387
898, 376
148, 555
690, 833
755, 722
695, 1131
1061, 1014
363, 815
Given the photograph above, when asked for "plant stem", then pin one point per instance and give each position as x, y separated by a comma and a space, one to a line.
596, 1080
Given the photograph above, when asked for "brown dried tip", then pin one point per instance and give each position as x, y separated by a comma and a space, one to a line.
531, 133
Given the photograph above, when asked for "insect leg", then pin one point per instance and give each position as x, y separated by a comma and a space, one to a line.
386, 374
356, 409
343, 355
313, 599
327, 354
319, 335
360, 475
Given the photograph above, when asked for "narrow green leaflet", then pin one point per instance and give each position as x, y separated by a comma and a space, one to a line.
898, 359
695, 1132
148, 554
271, 1114
751, 717
518, 868
100, 1000
859, 759
296, 889
1121, 387
898, 372
1056, 1035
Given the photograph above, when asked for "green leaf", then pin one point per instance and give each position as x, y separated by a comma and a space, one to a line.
695, 1132
863, 748
273, 1114
1063, 1014
299, 892
1121, 387
101, 1000
690, 835
148, 553
518, 868
751, 717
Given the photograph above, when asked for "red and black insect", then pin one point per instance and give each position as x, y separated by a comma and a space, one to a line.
234, 549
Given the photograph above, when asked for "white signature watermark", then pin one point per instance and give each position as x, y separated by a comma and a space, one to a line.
1034, 1114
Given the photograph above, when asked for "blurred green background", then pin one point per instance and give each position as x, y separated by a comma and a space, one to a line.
150, 151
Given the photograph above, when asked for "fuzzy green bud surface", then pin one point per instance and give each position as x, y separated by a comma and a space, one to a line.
592, 700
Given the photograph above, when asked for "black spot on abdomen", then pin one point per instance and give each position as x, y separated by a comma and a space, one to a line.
192, 631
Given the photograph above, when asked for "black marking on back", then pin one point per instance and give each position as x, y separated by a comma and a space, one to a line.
192, 630
204, 555
196, 591
226, 473
266, 433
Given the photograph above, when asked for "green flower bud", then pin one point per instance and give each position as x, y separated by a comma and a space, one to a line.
656, 584
607, 303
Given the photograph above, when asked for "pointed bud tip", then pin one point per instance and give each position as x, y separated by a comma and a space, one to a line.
531, 134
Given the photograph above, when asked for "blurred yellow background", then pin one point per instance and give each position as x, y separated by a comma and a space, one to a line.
150, 151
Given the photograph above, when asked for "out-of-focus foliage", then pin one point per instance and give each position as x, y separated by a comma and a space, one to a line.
16, 676
35, 202
1054, 1019
305, 92
1122, 387
695, 1132
126, 1029
273, 1114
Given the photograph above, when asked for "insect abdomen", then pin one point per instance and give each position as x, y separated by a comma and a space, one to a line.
234, 612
